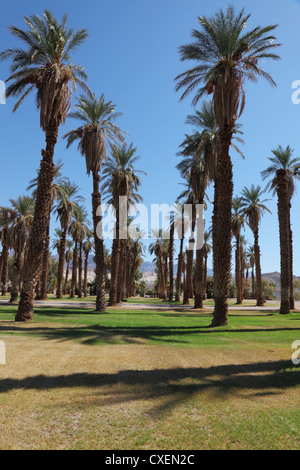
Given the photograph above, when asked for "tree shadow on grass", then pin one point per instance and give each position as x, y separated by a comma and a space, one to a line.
175, 385
99, 334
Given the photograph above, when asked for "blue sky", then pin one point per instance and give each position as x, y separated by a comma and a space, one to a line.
132, 57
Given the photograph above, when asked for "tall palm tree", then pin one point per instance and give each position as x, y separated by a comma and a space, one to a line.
225, 55
87, 248
57, 187
206, 250
180, 230
78, 229
237, 225
251, 257
6, 216
254, 208
68, 259
282, 171
120, 180
66, 206
18, 235
96, 134
189, 198
44, 65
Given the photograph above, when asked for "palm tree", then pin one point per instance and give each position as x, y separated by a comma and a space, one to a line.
57, 187
206, 250
68, 259
120, 180
68, 201
87, 247
18, 235
180, 230
95, 135
6, 216
78, 229
283, 170
251, 257
225, 57
253, 208
237, 225
43, 65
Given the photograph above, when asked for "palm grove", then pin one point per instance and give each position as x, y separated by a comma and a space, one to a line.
224, 55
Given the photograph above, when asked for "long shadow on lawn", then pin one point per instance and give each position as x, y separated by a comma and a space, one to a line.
95, 334
175, 385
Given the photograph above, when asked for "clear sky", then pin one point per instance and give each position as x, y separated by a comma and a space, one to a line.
132, 57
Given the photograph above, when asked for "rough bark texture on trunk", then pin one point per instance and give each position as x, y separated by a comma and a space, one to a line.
259, 300
4, 261
179, 271
38, 235
85, 274
171, 262
291, 259
61, 263
74, 271
199, 279
66, 279
16, 278
205, 278
99, 247
45, 267
80, 271
238, 270
222, 229
284, 235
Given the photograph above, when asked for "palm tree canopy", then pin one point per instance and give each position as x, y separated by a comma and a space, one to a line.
253, 206
68, 200
45, 64
120, 177
238, 219
282, 159
80, 224
225, 55
57, 184
97, 132
20, 222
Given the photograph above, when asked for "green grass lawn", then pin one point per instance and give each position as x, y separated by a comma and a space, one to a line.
130, 379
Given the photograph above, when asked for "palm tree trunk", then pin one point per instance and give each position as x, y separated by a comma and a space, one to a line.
45, 267
205, 279
238, 270
61, 263
189, 290
85, 274
179, 271
199, 279
222, 229
38, 235
16, 278
253, 282
171, 262
291, 258
66, 279
80, 271
284, 235
74, 271
259, 301
115, 262
99, 247
4, 261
